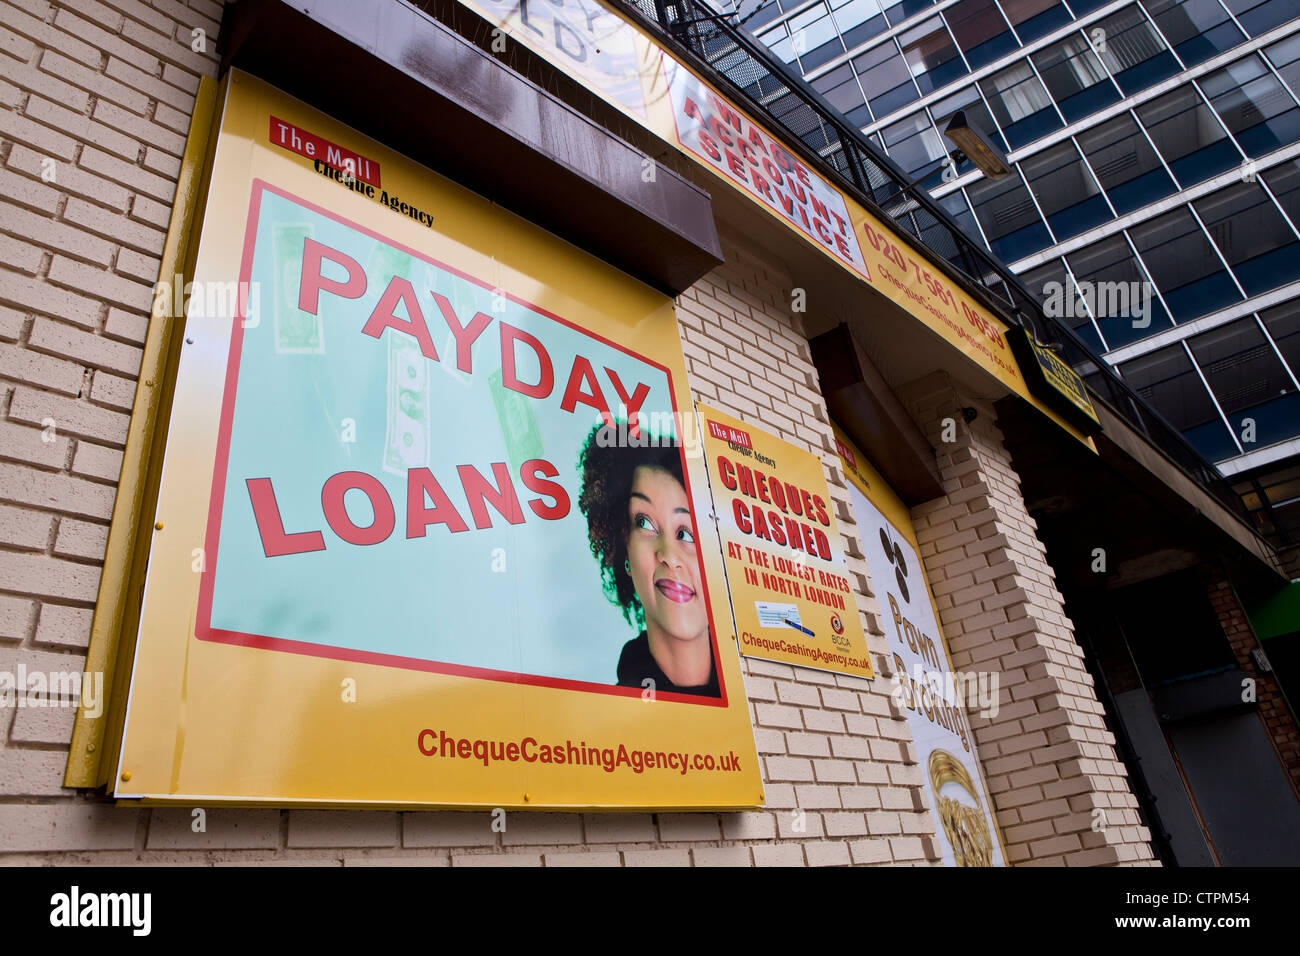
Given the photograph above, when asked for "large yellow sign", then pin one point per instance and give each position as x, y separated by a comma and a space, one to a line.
786, 572
427, 530
630, 71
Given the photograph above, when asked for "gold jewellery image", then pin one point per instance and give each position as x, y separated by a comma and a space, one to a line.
966, 827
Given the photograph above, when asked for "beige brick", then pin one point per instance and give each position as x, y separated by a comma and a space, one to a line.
19, 364
43, 725
163, 163
40, 296
128, 326
20, 255
32, 773
756, 825
66, 826
721, 856
55, 492
182, 79
535, 829
92, 81
96, 461
223, 829
11, 324
70, 416
35, 135
47, 35
447, 829
49, 577
781, 854
29, 192
81, 539
110, 288
146, 210
656, 857
608, 858
112, 390
409, 859
695, 827
26, 529
87, 348
81, 128
16, 616
137, 266
341, 828
106, 41
68, 178
129, 175
496, 859
169, 49
619, 828
55, 235
116, 227
144, 130
150, 84
827, 853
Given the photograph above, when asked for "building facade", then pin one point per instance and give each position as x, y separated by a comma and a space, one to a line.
1053, 555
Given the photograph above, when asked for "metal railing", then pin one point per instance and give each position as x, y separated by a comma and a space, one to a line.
766, 87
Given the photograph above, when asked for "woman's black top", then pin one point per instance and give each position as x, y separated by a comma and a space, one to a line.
635, 664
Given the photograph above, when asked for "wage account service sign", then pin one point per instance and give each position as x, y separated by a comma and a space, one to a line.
428, 531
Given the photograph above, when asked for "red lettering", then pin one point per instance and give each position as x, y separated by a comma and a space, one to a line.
480, 491
533, 474
509, 336
419, 483
336, 512
465, 335
400, 290
270, 527
312, 282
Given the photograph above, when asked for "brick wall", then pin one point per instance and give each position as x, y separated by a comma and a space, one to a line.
95, 100
1060, 791
1278, 719
94, 104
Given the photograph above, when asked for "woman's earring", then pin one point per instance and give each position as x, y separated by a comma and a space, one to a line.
627, 566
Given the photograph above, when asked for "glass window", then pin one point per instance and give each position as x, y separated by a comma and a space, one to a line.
1010, 220
1119, 293
1129, 169
1067, 193
1254, 106
762, 14
1035, 18
956, 206
840, 87
1075, 77
885, 79
1183, 265
1197, 29
913, 143
1188, 136
1259, 16
1055, 290
1252, 235
778, 41
814, 37
931, 55
1283, 324
1020, 104
859, 21
1132, 50
1285, 57
977, 115
1248, 379
898, 12
1166, 379
1284, 180
980, 30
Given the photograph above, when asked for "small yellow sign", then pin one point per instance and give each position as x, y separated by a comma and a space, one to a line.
786, 572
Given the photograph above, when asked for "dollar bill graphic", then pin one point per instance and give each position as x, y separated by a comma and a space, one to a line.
296, 332
406, 433
518, 422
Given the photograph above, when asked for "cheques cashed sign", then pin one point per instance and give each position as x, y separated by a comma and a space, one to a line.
786, 572
443, 525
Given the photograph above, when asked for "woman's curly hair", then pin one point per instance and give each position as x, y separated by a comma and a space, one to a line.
607, 467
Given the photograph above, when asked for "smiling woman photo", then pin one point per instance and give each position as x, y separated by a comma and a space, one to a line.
641, 535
